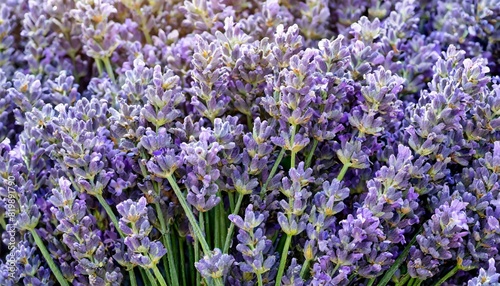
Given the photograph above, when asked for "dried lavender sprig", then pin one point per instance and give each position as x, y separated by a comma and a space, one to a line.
168, 244
151, 141
192, 220
253, 242
46, 255
300, 177
245, 188
230, 231
168, 259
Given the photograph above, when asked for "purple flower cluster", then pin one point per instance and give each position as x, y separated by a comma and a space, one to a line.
295, 142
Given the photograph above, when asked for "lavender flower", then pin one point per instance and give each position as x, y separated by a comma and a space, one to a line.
350, 154
82, 240
135, 225
486, 277
7, 26
201, 157
443, 235
163, 97
215, 266
253, 244
360, 136
99, 33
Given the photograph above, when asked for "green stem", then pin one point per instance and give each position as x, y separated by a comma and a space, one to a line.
274, 237
3, 223
351, 278
166, 258
401, 258
259, 279
231, 201
110, 213
192, 220
335, 269
304, 269
147, 36
151, 278
311, 153
192, 272
143, 276
109, 69
159, 276
133, 280
281, 244
410, 283
196, 259
219, 228
229, 235
273, 171
371, 281
46, 255
403, 280
215, 223
143, 167
284, 256
166, 273
173, 271
174, 243
223, 223
447, 276
292, 143
250, 122
99, 66
201, 217
210, 221
343, 171
183, 261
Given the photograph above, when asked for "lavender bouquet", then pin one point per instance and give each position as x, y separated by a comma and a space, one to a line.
293, 142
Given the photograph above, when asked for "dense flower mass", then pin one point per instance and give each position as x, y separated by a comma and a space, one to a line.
276, 142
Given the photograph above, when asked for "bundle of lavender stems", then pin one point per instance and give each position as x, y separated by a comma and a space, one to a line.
230, 142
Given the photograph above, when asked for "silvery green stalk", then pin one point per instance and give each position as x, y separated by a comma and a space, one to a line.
244, 186
192, 220
293, 219
28, 220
